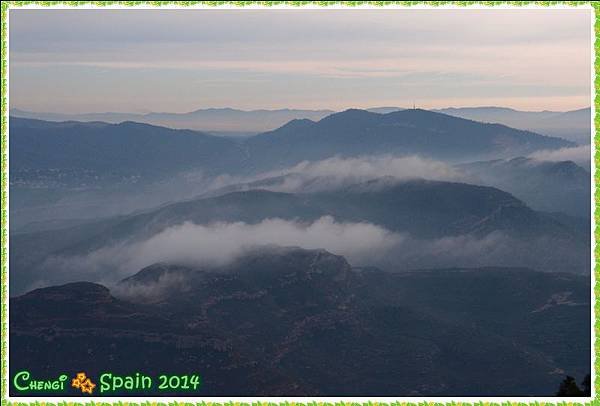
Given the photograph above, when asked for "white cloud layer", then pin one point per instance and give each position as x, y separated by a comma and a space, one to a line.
580, 155
219, 243
362, 244
335, 172
363, 168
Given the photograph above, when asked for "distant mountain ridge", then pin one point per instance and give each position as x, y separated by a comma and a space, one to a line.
406, 132
75, 170
574, 125
211, 119
134, 149
127, 149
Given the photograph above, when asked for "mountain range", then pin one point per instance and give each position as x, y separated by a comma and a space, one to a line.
64, 172
428, 216
394, 252
292, 322
406, 132
220, 120
573, 125
90, 152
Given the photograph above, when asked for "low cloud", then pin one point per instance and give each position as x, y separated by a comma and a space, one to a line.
152, 291
581, 155
336, 172
345, 171
362, 244
219, 243
378, 166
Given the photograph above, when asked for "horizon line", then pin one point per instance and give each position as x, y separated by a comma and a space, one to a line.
148, 112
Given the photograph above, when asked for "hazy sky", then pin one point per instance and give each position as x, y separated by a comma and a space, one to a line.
181, 60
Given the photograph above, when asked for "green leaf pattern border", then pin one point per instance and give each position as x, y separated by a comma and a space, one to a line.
6, 5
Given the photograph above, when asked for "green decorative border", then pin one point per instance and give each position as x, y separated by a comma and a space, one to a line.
6, 5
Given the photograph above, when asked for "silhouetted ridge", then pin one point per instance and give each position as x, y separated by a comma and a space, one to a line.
356, 132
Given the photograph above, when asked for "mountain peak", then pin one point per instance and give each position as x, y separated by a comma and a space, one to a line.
350, 114
276, 258
260, 267
418, 112
297, 123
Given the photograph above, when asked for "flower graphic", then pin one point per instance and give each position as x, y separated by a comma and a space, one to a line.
81, 381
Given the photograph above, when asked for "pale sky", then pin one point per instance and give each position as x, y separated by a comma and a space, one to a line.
75, 61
